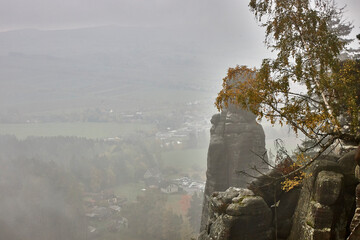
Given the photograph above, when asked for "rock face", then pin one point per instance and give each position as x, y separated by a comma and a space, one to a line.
235, 140
237, 214
326, 202
321, 209
273, 195
355, 222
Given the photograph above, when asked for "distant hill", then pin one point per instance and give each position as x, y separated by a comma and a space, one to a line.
113, 66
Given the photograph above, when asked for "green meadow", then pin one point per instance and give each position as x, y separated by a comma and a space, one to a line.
185, 159
80, 129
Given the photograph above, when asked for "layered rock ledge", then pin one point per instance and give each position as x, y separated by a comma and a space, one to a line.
237, 214
322, 208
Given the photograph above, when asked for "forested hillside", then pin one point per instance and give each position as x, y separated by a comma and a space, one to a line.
97, 188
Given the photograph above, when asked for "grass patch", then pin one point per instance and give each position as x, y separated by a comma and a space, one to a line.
79, 129
130, 190
185, 159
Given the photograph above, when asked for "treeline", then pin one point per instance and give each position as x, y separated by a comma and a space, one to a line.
164, 118
39, 201
95, 164
42, 180
149, 219
86, 115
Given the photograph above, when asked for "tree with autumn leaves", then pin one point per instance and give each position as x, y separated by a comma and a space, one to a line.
307, 86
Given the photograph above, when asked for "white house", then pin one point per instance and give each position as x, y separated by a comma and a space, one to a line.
169, 188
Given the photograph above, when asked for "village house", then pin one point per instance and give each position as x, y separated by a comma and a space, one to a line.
168, 187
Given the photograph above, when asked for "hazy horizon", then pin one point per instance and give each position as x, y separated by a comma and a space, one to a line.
104, 105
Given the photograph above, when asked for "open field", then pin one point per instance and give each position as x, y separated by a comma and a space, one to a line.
79, 129
130, 190
188, 161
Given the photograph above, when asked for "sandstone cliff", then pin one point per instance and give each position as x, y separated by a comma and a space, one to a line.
321, 209
236, 140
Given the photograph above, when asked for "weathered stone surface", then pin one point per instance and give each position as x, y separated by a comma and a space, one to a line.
321, 234
217, 205
310, 233
328, 187
323, 210
233, 192
215, 119
246, 217
356, 218
340, 228
355, 233
219, 201
310, 217
357, 172
219, 230
316, 234
248, 205
261, 186
251, 227
320, 216
357, 194
243, 192
325, 205
285, 211
324, 165
355, 222
347, 163
235, 138
350, 171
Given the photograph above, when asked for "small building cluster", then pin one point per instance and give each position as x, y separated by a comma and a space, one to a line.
104, 207
154, 180
190, 186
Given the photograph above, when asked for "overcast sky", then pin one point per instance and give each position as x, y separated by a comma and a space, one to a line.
230, 19
54, 14
78, 13
228, 23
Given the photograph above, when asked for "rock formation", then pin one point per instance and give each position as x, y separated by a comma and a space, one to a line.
326, 203
355, 222
237, 214
236, 140
321, 209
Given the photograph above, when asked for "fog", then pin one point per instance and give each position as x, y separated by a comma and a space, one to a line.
103, 103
